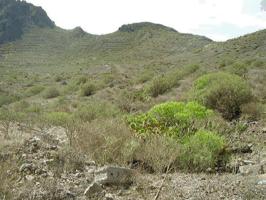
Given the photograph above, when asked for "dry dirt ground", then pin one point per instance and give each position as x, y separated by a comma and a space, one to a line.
43, 175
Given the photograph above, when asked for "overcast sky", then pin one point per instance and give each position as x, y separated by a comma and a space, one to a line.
216, 19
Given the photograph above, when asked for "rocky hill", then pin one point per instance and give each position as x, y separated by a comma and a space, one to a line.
16, 16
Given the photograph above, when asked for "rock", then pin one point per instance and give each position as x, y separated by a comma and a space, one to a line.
93, 190
29, 178
251, 169
27, 167
261, 180
209, 170
109, 197
90, 163
264, 130
113, 175
248, 162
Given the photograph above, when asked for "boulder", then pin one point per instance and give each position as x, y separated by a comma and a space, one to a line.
113, 175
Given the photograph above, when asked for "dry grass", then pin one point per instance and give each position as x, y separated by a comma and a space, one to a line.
111, 141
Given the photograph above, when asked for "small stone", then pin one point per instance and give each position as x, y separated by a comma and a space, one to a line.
27, 167
93, 190
113, 175
109, 197
248, 162
90, 163
209, 170
251, 169
261, 180
24, 156
29, 177
264, 130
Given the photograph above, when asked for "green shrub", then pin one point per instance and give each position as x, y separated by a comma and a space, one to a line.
34, 90
161, 84
239, 69
223, 92
158, 86
201, 151
7, 117
258, 63
6, 99
57, 118
82, 80
87, 90
145, 76
58, 78
51, 92
94, 110
174, 119
20, 106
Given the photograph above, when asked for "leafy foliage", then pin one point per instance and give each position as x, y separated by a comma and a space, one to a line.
174, 119
201, 151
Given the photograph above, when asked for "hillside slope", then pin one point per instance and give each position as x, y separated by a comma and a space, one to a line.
44, 46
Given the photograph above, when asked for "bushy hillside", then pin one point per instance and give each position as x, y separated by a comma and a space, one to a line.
146, 44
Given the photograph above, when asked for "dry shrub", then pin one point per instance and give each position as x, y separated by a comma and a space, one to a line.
251, 111
8, 177
103, 140
111, 142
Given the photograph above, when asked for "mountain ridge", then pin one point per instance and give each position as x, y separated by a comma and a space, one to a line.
17, 16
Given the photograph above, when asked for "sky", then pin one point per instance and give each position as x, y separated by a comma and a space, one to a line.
217, 19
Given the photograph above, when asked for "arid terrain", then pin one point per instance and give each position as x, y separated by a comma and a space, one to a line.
145, 112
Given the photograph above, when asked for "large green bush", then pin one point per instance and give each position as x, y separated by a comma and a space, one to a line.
222, 92
201, 151
174, 119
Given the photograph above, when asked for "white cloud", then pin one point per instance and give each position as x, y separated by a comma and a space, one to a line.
105, 16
